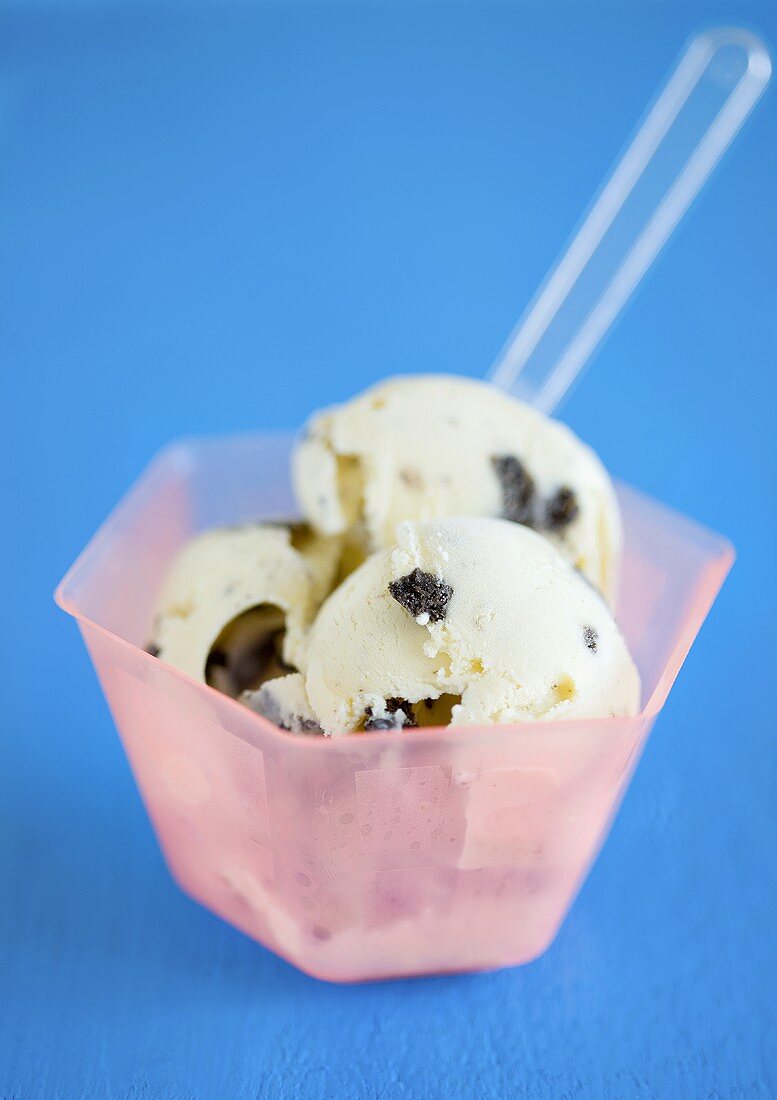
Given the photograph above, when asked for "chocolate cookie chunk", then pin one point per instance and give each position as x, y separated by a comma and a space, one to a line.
591, 638
305, 725
400, 716
422, 594
265, 703
561, 509
518, 490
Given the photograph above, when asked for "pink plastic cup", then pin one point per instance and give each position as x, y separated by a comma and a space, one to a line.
384, 855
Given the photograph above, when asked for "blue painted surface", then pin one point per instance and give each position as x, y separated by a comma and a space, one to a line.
216, 221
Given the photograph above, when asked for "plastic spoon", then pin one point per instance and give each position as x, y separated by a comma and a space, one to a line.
696, 116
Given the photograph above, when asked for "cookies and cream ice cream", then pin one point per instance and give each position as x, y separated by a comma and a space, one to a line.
237, 603
466, 621
433, 445
454, 567
284, 701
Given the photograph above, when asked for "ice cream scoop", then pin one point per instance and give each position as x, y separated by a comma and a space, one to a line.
237, 602
467, 620
427, 446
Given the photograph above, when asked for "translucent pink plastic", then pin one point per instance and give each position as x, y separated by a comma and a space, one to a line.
381, 855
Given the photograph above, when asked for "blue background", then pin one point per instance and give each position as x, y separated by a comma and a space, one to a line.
216, 220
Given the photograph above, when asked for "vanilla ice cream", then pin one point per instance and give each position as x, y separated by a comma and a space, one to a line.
431, 446
285, 702
237, 603
466, 621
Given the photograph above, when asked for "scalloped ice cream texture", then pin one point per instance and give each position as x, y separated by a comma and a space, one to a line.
428, 446
238, 601
466, 621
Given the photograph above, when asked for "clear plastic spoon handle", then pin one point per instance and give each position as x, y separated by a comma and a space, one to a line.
693, 121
